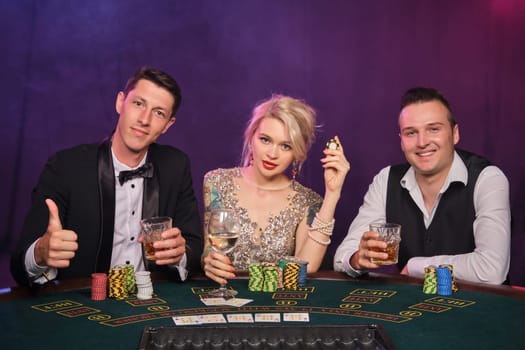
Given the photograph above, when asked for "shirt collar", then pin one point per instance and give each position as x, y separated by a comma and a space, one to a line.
458, 173
118, 166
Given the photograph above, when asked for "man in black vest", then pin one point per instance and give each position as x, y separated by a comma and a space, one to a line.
89, 200
453, 206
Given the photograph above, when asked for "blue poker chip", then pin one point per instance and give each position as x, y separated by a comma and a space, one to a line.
444, 281
444, 289
301, 279
443, 272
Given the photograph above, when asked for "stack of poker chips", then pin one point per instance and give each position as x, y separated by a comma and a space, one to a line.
255, 283
291, 275
144, 285
451, 268
430, 280
444, 281
301, 279
98, 286
282, 263
117, 284
301, 275
129, 279
271, 278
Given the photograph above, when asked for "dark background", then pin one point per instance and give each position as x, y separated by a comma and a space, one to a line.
65, 61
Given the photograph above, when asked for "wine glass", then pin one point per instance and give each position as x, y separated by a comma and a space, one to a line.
223, 231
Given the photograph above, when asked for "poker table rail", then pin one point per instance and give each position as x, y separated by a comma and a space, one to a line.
17, 292
476, 316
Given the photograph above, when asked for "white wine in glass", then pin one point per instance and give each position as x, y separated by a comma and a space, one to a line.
223, 241
223, 231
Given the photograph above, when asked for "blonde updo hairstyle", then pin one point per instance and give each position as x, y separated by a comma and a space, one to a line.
298, 118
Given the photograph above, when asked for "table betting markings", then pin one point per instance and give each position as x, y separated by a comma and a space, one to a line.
56, 306
437, 304
81, 311
142, 302
299, 293
66, 308
286, 301
451, 302
427, 307
362, 300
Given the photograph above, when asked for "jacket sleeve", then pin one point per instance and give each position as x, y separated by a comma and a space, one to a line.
186, 215
37, 218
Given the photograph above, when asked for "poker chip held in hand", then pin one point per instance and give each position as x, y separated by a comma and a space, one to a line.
332, 144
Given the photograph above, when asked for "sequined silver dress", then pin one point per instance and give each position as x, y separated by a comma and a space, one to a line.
278, 237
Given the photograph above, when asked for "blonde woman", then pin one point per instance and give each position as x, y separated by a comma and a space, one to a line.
279, 216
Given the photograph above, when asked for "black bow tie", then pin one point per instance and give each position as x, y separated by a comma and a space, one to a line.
144, 171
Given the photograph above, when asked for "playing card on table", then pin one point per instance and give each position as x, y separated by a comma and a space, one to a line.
212, 318
296, 317
237, 302
186, 320
268, 317
240, 318
213, 301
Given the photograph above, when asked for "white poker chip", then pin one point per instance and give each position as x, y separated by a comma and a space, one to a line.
332, 144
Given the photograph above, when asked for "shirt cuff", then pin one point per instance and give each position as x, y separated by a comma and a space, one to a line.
36, 273
416, 266
349, 269
181, 267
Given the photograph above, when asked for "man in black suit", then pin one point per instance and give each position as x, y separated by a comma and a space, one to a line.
89, 200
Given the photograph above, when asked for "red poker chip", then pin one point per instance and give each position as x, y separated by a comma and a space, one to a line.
98, 292
99, 283
98, 286
98, 297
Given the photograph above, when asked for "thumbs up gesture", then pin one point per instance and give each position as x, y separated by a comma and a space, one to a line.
57, 246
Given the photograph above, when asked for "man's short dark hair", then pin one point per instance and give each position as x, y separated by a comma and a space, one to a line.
424, 94
159, 78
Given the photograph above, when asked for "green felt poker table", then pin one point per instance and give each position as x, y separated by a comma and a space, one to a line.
62, 315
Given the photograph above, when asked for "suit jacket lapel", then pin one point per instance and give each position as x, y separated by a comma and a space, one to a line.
150, 195
106, 178
150, 198
106, 187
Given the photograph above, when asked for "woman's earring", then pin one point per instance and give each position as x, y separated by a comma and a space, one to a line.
294, 170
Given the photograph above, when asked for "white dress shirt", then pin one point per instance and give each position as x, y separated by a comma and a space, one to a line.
490, 260
126, 249
128, 210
